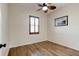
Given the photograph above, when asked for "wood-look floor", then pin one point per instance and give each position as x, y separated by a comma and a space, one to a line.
45, 48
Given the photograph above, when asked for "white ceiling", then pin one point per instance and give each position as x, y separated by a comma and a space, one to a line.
58, 5
35, 5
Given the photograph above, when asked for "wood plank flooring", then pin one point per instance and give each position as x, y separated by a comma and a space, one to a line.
45, 48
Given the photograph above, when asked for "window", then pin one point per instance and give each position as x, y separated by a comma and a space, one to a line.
33, 25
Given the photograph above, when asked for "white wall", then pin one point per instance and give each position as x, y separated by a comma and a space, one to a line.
65, 35
4, 27
19, 25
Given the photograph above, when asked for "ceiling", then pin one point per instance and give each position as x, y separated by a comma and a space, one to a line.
58, 5
35, 5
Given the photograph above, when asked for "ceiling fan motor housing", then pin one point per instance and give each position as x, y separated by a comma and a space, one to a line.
44, 4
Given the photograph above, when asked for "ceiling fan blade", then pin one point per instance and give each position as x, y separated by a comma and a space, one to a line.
52, 7
40, 5
39, 9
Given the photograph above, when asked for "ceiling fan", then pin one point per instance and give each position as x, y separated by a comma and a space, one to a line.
46, 6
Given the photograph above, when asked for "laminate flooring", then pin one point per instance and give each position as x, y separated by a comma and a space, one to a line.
45, 48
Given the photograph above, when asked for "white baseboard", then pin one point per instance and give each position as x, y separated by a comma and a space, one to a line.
27, 43
64, 45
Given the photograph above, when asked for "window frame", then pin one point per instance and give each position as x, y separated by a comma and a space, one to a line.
34, 25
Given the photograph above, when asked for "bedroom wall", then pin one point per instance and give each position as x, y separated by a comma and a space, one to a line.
19, 25
65, 35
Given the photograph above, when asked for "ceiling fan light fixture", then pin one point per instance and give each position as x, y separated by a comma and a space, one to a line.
45, 8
